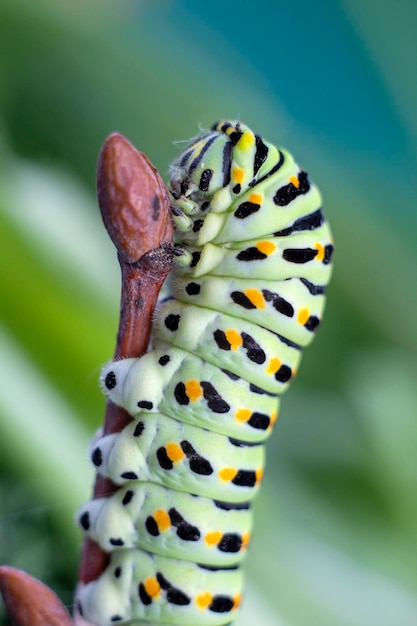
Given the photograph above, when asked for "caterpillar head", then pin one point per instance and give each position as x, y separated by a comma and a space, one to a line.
200, 171
210, 173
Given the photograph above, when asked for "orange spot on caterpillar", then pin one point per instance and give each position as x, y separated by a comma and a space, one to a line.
259, 475
152, 587
174, 452
236, 601
294, 181
213, 538
234, 338
245, 540
320, 251
255, 198
273, 365
242, 415
238, 175
273, 418
266, 247
256, 297
203, 600
303, 315
227, 473
162, 519
193, 390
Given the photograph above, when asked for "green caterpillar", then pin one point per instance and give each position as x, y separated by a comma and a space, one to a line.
252, 263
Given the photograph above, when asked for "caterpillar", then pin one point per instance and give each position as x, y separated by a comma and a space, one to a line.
252, 261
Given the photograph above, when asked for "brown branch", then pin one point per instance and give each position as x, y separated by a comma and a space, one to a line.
135, 206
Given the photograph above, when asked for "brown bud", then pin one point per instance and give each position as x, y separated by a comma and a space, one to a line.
29, 602
133, 199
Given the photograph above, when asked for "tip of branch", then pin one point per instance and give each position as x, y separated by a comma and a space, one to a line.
133, 200
29, 602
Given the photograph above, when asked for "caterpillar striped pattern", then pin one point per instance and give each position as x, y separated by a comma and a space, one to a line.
248, 288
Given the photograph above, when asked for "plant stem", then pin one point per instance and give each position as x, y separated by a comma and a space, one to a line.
135, 207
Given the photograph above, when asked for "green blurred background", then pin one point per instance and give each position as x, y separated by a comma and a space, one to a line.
335, 82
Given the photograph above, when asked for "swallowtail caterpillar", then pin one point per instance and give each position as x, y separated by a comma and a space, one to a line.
248, 286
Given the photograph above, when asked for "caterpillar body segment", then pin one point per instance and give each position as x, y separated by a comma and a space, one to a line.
156, 519
165, 451
140, 586
293, 306
189, 389
266, 359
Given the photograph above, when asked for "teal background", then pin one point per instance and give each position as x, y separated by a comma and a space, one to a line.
335, 83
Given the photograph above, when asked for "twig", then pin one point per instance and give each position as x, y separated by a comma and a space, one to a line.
134, 205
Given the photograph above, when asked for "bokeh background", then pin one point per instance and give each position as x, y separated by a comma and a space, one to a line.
335, 82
